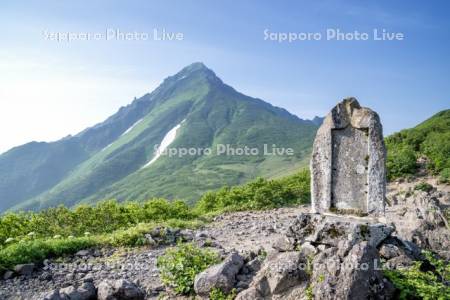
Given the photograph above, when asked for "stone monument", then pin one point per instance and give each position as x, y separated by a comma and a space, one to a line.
348, 173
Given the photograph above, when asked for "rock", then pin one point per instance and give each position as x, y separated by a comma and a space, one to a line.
201, 235
401, 261
388, 251
150, 240
378, 233
221, 276
423, 221
348, 161
83, 253
329, 230
86, 291
187, 235
119, 290
284, 243
52, 295
24, 269
251, 293
88, 278
284, 271
355, 276
46, 276
254, 265
70, 292
279, 273
308, 249
8, 275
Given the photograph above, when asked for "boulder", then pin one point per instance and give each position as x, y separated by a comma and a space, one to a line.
52, 295
388, 251
279, 275
8, 275
83, 253
86, 291
24, 269
121, 289
284, 243
355, 274
221, 276
360, 278
285, 270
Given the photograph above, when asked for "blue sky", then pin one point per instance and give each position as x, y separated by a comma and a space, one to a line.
49, 89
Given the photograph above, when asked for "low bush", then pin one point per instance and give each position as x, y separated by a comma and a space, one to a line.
258, 194
125, 224
179, 266
415, 283
217, 294
37, 250
444, 175
423, 186
105, 217
430, 138
401, 161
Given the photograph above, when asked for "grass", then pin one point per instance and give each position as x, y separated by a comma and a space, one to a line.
33, 236
35, 250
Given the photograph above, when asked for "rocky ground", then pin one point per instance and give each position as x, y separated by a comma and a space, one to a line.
413, 216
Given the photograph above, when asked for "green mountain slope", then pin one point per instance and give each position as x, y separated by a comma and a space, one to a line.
29, 170
208, 112
430, 138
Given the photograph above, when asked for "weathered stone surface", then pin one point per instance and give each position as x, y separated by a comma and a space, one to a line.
282, 276
83, 253
119, 290
419, 217
221, 276
86, 291
52, 295
24, 269
8, 275
348, 161
353, 276
334, 231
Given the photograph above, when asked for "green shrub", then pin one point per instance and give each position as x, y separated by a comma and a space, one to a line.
444, 175
258, 194
430, 138
28, 236
179, 266
217, 294
104, 217
413, 283
37, 250
423, 186
400, 161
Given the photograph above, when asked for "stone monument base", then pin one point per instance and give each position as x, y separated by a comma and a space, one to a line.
333, 230
327, 256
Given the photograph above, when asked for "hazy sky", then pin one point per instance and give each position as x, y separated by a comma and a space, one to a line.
49, 89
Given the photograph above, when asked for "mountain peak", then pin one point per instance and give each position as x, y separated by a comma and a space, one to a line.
196, 68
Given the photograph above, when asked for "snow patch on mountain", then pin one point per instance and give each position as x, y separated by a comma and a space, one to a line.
166, 141
132, 126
